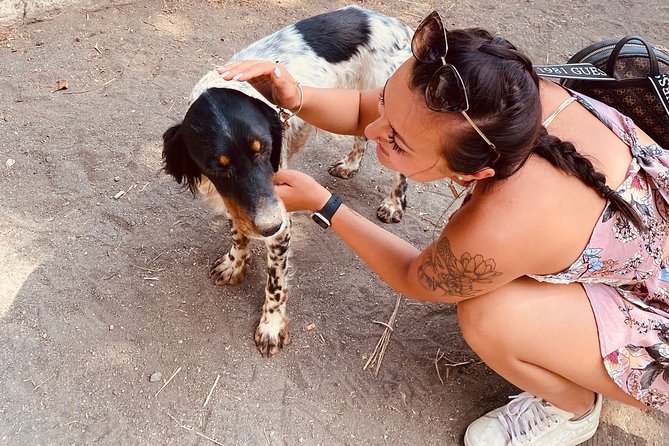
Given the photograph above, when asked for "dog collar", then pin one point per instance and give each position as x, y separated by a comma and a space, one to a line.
324, 216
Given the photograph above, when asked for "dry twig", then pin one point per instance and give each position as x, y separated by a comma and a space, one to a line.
192, 429
168, 381
439, 356
376, 357
211, 391
35, 387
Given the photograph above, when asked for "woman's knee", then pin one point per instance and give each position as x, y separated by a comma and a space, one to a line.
476, 320
488, 320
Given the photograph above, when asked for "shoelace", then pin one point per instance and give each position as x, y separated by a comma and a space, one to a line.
525, 417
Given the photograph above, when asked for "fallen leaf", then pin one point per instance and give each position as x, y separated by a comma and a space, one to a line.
61, 84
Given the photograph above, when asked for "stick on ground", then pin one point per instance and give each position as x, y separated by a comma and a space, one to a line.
200, 434
211, 391
376, 357
168, 381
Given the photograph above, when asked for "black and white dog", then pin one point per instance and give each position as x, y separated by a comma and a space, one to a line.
230, 141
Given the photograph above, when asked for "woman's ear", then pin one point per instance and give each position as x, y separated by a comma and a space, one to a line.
486, 172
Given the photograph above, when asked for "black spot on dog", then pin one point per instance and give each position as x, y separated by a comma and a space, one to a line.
336, 36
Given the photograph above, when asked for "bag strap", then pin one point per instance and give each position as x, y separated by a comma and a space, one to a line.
661, 86
580, 71
611, 64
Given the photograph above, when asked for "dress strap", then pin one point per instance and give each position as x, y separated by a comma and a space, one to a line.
562, 106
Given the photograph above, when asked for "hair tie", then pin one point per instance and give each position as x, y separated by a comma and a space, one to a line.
607, 192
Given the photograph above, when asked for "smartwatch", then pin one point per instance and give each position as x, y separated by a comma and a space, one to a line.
324, 216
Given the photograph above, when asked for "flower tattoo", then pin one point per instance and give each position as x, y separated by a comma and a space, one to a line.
441, 270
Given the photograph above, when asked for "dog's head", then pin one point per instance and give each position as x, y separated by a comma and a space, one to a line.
234, 141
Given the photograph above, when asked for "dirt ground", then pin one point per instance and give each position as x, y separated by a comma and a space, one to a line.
104, 260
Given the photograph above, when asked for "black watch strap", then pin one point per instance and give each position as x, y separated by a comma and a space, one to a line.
324, 216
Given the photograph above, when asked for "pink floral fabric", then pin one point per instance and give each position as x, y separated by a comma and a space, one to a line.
624, 273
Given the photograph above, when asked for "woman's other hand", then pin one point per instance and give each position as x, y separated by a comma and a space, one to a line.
271, 79
299, 192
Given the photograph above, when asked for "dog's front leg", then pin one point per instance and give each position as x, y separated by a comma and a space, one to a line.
272, 331
229, 268
391, 209
347, 167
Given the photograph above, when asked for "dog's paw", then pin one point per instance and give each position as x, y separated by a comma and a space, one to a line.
226, 271
342, 169
272, 334
390, 211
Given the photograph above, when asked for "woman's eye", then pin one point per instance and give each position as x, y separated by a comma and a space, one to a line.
393, 144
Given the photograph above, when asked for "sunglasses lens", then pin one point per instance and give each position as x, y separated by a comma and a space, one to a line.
429, 40
446, 92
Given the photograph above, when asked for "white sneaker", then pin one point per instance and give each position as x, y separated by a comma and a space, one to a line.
528, 420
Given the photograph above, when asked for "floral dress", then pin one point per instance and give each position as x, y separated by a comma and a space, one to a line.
624, 273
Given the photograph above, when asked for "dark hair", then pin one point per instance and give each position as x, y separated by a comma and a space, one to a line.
503, 92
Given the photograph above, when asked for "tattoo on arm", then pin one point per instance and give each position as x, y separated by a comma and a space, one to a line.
442, 271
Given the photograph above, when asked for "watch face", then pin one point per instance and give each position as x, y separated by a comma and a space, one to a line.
322, 221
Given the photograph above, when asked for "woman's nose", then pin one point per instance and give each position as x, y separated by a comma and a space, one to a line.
374, 130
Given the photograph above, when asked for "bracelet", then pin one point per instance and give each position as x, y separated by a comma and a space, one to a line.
299, 108
287, 114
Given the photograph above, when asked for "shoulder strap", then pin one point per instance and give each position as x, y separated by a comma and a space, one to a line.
581, 71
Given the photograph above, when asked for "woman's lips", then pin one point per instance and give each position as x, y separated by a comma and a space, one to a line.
380, 148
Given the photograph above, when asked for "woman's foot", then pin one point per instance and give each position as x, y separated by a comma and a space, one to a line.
528, 420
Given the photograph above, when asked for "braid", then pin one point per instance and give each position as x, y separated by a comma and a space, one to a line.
564, 156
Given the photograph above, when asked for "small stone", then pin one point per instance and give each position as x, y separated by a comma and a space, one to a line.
155, 377
117, 179
10, 162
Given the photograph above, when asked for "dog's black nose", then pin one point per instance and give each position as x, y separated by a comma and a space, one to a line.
270, 230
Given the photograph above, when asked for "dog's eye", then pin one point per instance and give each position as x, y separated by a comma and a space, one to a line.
223, 161
256, 147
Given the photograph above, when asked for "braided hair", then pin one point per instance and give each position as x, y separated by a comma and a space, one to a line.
503, 92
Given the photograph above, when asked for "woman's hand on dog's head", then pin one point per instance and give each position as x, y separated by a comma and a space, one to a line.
299, 192
271, 79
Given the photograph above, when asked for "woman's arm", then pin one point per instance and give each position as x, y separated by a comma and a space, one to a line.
446, 271
341, 111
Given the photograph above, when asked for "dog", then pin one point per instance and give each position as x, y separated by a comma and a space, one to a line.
231, 139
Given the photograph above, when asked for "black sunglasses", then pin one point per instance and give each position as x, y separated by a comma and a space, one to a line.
445, 91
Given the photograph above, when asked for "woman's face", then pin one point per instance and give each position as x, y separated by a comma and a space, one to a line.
407, 133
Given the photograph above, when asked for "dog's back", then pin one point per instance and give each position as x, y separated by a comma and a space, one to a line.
350, 47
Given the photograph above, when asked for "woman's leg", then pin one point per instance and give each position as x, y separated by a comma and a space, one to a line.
543, 339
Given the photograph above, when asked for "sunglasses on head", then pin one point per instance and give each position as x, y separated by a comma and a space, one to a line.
445, 91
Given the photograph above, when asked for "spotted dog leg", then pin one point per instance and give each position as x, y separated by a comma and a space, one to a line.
392, 208
272, 331
229, 268
347, 167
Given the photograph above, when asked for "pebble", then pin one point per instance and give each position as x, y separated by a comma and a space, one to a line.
155, 377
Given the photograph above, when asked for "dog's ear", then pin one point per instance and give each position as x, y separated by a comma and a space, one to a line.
276, 130
176, 160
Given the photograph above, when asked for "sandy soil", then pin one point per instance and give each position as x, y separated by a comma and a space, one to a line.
100, 290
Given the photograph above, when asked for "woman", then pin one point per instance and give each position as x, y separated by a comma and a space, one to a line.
554, 259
